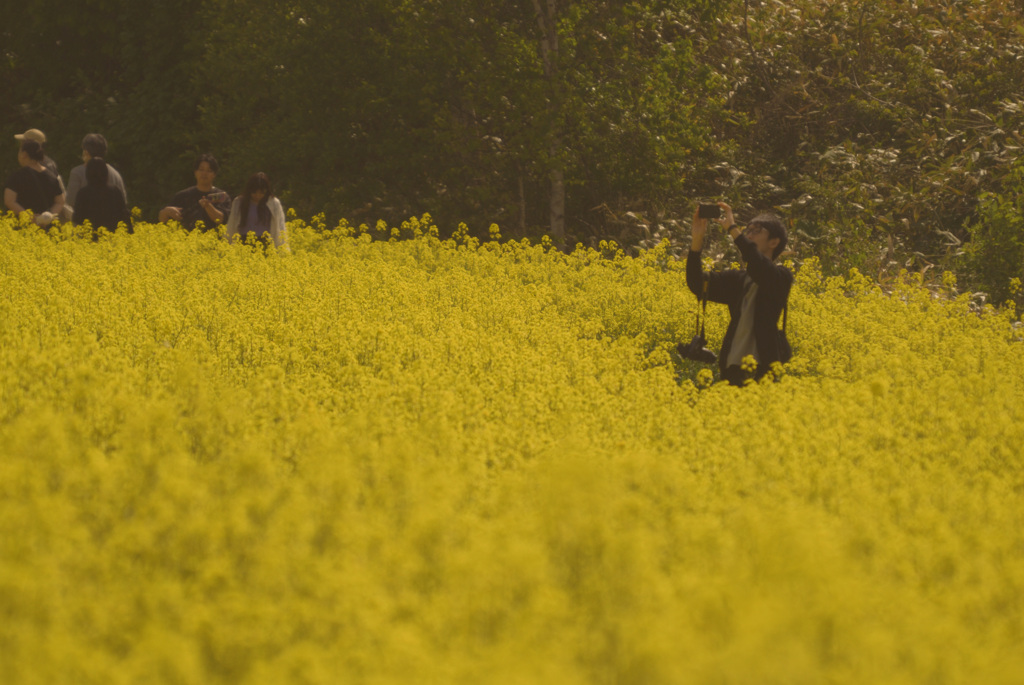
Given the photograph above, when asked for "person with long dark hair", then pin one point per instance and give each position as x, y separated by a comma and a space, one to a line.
93, 145
257, 212
98, 202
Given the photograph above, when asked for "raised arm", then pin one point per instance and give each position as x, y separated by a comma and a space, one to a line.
762, 270
721, 285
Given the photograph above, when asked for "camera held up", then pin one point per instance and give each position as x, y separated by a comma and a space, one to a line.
709, 211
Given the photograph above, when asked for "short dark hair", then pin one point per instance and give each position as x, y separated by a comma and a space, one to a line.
209, 159
96, 173
33, 149
95, 144
776, 229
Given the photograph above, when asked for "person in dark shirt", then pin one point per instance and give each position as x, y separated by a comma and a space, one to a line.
32, 187
98, 202
756, 296
203, 202
50, 165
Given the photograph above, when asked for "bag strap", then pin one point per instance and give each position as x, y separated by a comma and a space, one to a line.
704, 305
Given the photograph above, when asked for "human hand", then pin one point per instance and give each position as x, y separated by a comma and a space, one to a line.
211, 209
43, 218
727, 218
171, 213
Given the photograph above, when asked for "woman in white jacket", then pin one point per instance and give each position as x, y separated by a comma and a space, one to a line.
256, 211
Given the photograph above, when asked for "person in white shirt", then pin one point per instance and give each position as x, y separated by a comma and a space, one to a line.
257, 212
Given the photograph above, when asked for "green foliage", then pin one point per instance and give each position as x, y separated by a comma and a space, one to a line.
118, 67
639, 111
995, 254
473, 131
875, 127
878, 125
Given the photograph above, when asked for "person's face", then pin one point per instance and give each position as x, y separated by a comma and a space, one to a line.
759, 235
257, 196
86, 156
205, 175
23, 158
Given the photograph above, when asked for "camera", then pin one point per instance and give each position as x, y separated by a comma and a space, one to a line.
697, 350
709, 211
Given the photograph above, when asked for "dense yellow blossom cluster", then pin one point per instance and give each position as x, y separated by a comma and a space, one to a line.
446, 461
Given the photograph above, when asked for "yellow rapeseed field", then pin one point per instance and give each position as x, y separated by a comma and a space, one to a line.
427, 461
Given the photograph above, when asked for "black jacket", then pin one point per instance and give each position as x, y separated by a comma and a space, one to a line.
773, 284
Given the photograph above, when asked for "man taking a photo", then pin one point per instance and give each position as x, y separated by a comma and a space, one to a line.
756, 296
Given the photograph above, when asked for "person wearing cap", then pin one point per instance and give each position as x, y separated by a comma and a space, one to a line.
32, 187
40, 137
93, 145
202, 202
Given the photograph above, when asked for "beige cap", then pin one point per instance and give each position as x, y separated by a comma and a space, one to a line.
32, 134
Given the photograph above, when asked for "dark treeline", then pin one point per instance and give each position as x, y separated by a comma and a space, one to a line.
888, 132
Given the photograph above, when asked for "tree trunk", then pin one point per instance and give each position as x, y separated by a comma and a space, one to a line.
522, 207
557, 199
546, 11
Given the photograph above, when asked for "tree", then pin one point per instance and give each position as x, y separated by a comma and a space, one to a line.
879, 125
118, 67
547, 22
524, 102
